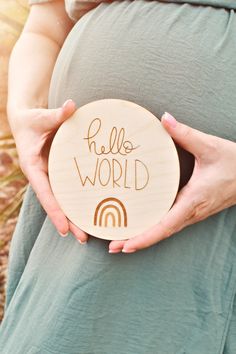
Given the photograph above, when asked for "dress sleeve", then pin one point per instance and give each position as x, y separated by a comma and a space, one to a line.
77, 8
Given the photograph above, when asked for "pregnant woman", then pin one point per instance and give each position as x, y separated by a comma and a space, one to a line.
172, 290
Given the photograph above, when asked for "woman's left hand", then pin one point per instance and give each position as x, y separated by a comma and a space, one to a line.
211, 188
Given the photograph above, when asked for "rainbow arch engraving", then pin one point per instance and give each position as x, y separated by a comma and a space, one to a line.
110, 209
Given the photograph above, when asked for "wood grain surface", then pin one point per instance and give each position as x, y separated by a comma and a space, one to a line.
113, 169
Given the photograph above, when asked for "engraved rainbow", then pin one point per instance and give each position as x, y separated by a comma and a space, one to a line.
110, 209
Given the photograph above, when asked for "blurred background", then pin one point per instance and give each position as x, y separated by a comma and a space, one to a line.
13, 14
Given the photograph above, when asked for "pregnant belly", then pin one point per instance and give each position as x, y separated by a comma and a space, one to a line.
164, 56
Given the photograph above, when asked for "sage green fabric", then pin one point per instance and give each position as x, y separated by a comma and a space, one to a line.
176, 297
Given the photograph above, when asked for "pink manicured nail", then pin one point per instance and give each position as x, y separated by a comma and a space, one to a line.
63, 235
170, 119
67, 101
82, 242
114, 251
128, 250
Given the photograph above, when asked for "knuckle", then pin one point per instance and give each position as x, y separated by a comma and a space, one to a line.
186, 131
198, 208
211, 149
41, 113
38, 117
168, 230
142, 242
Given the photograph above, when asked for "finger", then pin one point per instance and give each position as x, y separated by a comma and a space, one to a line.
176, 219
79, 234
39, 182
63, 113
116, 246
53, 118
68, 108
188, 138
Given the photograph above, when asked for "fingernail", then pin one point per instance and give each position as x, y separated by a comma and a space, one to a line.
114, 251
170, 119
82, 242
63, 235
131, 250
67, 101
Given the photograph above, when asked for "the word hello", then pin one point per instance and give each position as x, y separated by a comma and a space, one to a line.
108, 170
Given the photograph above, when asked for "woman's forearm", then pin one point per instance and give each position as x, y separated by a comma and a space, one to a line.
30, 70
33, 58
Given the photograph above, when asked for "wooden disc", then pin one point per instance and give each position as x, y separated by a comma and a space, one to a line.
113, 169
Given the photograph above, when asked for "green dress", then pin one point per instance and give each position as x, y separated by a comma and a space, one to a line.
178, 296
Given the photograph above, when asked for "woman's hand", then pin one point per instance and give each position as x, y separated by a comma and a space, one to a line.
33, 136
211, 188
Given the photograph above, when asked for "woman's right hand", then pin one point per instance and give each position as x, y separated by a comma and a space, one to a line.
33, 132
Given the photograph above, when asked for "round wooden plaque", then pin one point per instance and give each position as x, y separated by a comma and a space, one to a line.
113, 169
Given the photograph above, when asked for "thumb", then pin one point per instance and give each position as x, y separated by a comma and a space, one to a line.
64, 112
58, 115
188, 138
